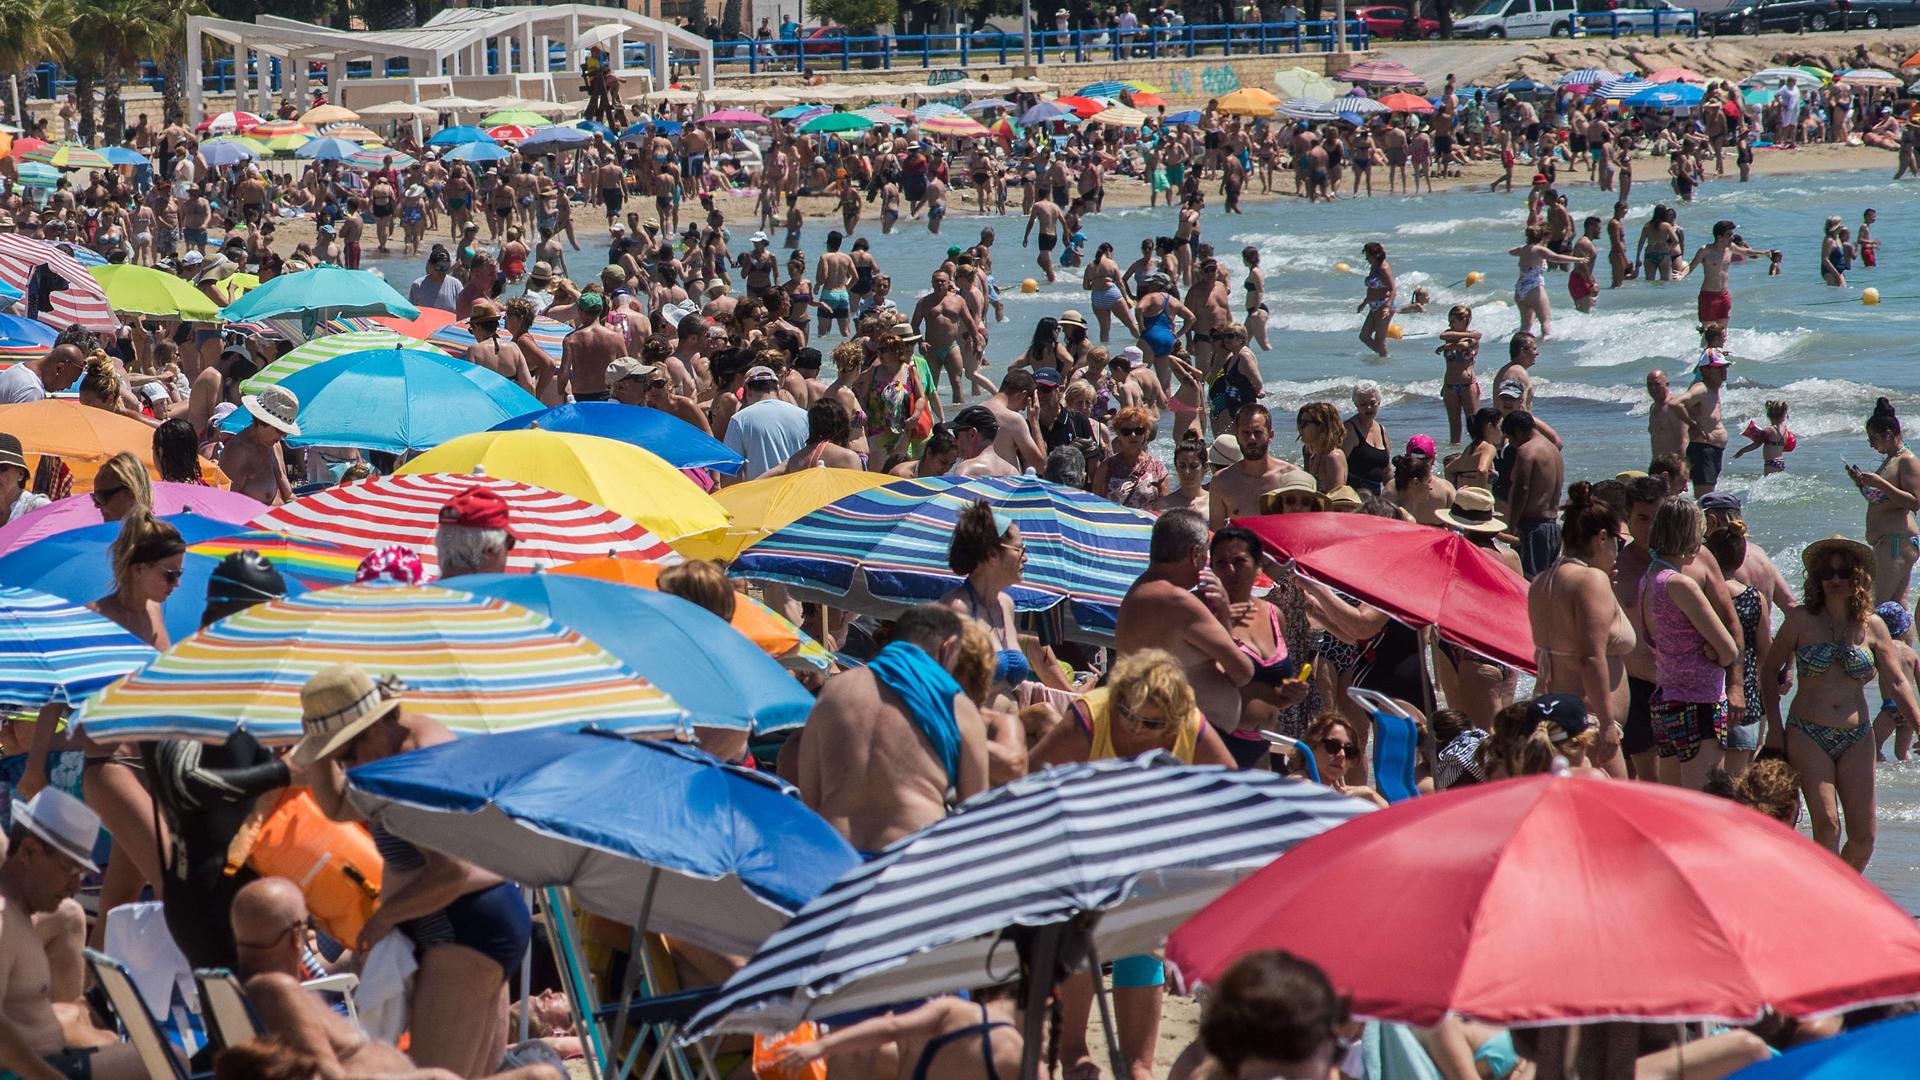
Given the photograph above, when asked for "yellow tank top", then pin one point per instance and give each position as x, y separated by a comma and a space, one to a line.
1101, 712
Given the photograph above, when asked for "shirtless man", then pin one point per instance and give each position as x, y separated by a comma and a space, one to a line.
1617, 245
1186, 235
866, 762
253, 459
350, 230
251, 194
976, 431
45, 861
1580, 283
611, 179
1523, 351
944, 316
1393, 144
493, 352
1534, 498
1180, 606
1666, 418
1211, 302
1236, 489
833, 278
1009, 405
1713, 260
1051, 222
586, 352
1706, 435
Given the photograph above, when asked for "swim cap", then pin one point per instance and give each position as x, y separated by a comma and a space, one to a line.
242, 579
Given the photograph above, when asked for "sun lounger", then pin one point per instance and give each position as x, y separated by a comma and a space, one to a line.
1396, 744
139, 1026
230, 1017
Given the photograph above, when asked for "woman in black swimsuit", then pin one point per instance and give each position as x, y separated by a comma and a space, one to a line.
1369, 462
957, 1039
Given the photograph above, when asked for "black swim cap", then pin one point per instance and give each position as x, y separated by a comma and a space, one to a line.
242, 579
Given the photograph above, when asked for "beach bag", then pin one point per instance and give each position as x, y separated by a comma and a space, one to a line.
766, 1055
335, 864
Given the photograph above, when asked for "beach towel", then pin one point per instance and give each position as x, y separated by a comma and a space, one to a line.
928, 692
384, 988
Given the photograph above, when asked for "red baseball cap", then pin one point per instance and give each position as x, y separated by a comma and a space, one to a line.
477, 508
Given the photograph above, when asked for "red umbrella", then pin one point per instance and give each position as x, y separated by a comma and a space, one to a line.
1082, 107
1553, 899
1144, 100
1420, 575
24, 143
1405, 102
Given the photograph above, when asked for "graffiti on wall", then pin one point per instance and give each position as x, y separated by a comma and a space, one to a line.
1210, 81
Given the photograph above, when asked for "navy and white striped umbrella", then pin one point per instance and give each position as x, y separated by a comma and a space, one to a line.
54, 650
1303, 109
1623, 87
1357, 104
1142, 842
1585, 77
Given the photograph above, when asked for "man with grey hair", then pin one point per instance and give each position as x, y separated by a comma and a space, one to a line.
1067, 466
1178, 605
474, 536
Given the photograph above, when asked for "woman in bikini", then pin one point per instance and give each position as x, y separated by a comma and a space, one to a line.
1835, 649
1530, 290
1459, 388
1044, 350
1581, 637
1256, 286
947, 1038
1319, 427
1235, 555
1892, 492
987, 550
849, 358
1473, 465
1109, 298
890, 393
1379, 301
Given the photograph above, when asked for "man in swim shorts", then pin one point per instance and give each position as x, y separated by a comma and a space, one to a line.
1715, 304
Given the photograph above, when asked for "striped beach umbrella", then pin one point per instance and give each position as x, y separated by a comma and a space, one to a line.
1358, 104
957, 127
1408, 103
227, 123
326, 348
1380, 73
1304, 109
883, 119
35, 175
1141, 842
552, 527
1104, 89
356, 132
509, 132
1585, 77
374, 157
1623, 87
1777, 76
81, 300
1121, 116
268, 129
24, 339
935, 108
1081, 549
54, 650
474, 663
67, 156
457, 337
1872, 77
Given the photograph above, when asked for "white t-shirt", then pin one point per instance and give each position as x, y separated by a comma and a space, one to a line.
766, 433
20, 384
26, 504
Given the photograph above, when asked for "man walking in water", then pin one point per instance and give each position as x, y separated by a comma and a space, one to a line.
1706, 435
1713, 260
1666, 417
1051, 220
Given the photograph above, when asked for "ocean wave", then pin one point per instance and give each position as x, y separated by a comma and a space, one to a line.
1453, 225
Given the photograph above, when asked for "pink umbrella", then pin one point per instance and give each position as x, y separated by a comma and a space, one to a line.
733, 116
1685, 75
78, 512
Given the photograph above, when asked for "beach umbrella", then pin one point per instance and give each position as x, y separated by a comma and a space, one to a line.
723, 680
1668, 96
453, 103
322, 115
67, 293
459, 136
1380, 73
677, 442
881, 118
476, 664
1670, 872
1083, 107
552, 527
594, 127
1781, 75
617, 475
1302, 109
56, 651
1104, 89
395, 400
429, 321
1248, 101
892, 541
142, 290
646, 833
957, 127
734, 117
23, 339
67, 156
1299, 82
123, 155
1883, 1048
326, 347
556, 137
793, 111
399, 110
1758, 95
227, 123
1405, 102
23, 143
989, 104
356, 132
35, 175
1676, 75
1361, 105
1873, 77
269, 129
1623, 87
768, 504
835, 122
1144, 100
457, 337
509, 132
228, 152
514, 116
1121, 116
1585, 77
313, 296
77, 564
369, 157
1047, 112
769, 631
891, 112
477, 151
1190, 116
78, 512
1136, 841
63, 427
1419, 574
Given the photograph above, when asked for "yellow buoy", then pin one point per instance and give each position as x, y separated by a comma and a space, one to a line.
1394, 331
1869, 296
1475, 277
1029, 285
1342, 267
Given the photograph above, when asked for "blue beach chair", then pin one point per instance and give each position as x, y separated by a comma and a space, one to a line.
1285, 744
1396, 744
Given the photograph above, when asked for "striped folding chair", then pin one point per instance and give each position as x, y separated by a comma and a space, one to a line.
139, 1026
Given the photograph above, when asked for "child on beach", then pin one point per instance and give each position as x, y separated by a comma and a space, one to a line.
1890, 720
1743, 154
1774, 440
1868, 247
1506, 163
1459, 389
1421, 298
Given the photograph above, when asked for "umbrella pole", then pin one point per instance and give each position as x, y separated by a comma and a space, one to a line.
1114, 1058
560, 934
526, 974
1046, 945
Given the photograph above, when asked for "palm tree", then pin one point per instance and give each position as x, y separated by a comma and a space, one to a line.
118, 33
30, 31
173, 62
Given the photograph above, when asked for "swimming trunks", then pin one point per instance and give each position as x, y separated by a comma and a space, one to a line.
1539, 544
1580, 286
1048, 241
1715, 307
1681, 727
1703, 462
1636, 735
835, 302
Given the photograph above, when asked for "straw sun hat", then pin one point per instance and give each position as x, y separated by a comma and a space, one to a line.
338, 703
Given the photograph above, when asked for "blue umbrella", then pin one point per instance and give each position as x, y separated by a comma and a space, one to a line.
54, 650
1668, 96
679, 443
594, 126
396, 400
220, 154
328, 148
459, 136
24, 339
1047, 112
641, 130
667, 127
1884, 1050
1191, 116
1104, 89
645, 832
721, 678
792, 111
556, 138
318, 295
121, 155
1522, 86
477, 151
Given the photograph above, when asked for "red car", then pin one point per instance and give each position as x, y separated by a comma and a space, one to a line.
826, 39
1394, 22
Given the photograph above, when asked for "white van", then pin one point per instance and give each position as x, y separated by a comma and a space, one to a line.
1517, 18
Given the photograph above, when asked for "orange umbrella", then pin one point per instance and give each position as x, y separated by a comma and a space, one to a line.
1144, 100
1911, 61
774, 635
84, 436
1405, 102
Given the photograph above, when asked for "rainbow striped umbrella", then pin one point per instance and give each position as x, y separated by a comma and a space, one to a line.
24, 339
326, 348
67, 156
1081, 548
368, 157
457, 337
552, 527
474, 663
1380, 73
54, 650
309, 560
960, 127
268, 129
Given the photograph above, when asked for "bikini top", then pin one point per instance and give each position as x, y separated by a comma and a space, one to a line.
1819, 657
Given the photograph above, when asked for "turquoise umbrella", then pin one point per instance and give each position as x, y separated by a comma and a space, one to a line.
317, 295
836, 122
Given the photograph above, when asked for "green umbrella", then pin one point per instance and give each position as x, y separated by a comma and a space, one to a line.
515, 116
837, 121
146, 291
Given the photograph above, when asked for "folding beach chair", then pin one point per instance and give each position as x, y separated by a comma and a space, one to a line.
1396, 744
1286, 743
230, 1016
139, 1026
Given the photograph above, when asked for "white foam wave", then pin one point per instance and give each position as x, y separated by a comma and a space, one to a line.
1454, 225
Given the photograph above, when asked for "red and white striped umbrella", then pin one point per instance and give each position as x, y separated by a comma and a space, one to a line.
551, 527
228, 123
81, 300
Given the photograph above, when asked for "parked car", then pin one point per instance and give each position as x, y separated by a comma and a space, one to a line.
1794, 15
1517, 18
1637, 17
826, 39
1392, 21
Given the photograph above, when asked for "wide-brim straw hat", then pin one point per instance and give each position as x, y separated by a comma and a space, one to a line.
336, 705
1472, 511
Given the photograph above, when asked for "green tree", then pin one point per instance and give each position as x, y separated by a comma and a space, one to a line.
173, 62
861, 15
30, 31
110, 37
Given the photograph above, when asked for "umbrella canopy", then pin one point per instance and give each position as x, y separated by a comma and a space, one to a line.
476, 664
716, 674
322, 115
882, 118
733, 116
478, 151
792, 111
1360, 104
379, 157
1883, 1049
1120, 116
325, 292
770, 632
1145, 100
1248, 101
457, 337
989, 104
55, 650
1380, 73
1585, 77
1083, 107
771, 503
1138, 841
23, 339
1081, 549
1190, 116
1676, 75
396, 400
122, 155
836, 121
1668, 96
75, 298
1304, 109
1299, 82
677, 442
417, 328
957, 127
514, 116
283, 145
1670, 872
1623, 87
268, 129
1419, 574
1401, 101
326, 347
593, 126
34, 174
1104, 89
557, 138
359, 133
22, 144
142, 290
402, 110
1781, 75
616, 475
1758, 95
453, 103
1867, 77
510, 132
460, 135
227, 123
551, 527
78, 512
1817, 72
646, 833
1047, 112
230, 152
65, 428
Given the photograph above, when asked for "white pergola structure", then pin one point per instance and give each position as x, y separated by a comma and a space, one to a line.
449, 55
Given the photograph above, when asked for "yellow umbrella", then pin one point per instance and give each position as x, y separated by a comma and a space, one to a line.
1248, 101
617, 475
761, 507
143, 290
321, 115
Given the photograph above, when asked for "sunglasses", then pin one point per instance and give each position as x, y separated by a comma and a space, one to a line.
173, 576
102, 496
1134, 719
656, 384
1338, 749
1132, 432
1833, 573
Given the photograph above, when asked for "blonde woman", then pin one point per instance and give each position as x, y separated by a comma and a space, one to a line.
1321, 434
1528, 735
